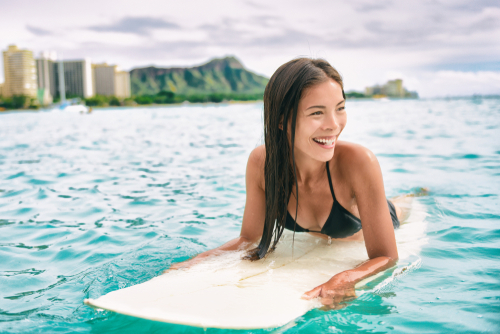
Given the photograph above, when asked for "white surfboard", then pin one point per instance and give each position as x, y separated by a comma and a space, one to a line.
227, 292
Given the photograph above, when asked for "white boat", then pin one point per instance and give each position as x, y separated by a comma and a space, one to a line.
67, 106
76, 108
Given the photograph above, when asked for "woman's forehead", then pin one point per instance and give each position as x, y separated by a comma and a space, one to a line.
328, 93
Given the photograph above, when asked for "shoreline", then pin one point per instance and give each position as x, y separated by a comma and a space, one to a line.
186, 103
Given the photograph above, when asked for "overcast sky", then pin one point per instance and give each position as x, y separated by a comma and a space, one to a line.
438, 47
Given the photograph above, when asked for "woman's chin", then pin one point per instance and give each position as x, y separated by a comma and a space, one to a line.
316, 153
325, 156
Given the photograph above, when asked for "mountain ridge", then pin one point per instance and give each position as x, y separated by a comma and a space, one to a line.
219, 75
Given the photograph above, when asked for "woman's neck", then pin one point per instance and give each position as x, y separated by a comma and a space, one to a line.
309, 171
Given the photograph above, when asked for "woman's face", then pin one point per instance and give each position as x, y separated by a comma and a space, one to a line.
321, 117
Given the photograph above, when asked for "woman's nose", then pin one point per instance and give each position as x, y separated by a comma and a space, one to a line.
331, 121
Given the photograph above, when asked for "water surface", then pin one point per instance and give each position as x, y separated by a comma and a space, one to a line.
93, 203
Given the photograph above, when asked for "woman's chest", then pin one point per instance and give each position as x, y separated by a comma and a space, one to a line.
316, 204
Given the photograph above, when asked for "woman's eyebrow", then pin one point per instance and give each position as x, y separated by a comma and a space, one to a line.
323, 107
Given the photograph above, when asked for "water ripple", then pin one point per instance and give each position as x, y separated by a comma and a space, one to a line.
94, 203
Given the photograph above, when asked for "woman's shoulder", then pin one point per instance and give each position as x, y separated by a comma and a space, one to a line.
258, 156
256, 163
351, 157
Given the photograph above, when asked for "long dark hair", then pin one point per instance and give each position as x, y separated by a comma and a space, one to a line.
281, 100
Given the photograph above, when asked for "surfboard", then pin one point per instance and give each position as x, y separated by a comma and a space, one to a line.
227, 292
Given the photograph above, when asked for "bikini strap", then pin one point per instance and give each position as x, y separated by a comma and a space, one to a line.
330, 181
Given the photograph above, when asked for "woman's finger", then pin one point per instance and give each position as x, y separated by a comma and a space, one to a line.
313, 293
327, 301
351, 293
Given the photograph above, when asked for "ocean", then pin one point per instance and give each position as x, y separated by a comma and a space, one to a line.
91, 203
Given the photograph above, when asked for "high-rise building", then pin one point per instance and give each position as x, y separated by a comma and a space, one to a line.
374, 90
104, 79
77, 78
109, 81
122, 84
394, 88
45, 77
20, 72
1, 89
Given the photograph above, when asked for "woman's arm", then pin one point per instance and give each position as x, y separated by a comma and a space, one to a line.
362, 171
253, 216
340, 288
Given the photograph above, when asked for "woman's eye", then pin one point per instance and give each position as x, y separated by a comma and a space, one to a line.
316, 113
341, 109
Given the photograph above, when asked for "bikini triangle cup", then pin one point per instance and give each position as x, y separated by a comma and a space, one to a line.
340, 223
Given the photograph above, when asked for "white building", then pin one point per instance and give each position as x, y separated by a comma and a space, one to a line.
122, 84
109, 81
45, 77
77, 78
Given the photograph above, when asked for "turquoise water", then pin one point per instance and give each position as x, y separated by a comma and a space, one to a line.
93, 203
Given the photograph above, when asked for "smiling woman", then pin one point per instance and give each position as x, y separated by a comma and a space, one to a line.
306, 158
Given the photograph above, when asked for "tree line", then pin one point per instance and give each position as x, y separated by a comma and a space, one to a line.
163, 97
17, 102
167, 97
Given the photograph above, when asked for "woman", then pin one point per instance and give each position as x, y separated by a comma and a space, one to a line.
339, 184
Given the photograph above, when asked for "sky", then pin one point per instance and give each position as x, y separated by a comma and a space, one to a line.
438, 47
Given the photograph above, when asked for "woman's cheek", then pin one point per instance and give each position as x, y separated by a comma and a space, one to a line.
344, 120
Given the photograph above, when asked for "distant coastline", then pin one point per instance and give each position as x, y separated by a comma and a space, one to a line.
391, 89
220, 80
476, 97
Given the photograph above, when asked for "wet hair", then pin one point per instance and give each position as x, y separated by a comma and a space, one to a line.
281, 100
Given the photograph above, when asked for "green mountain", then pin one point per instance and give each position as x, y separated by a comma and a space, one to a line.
226, 75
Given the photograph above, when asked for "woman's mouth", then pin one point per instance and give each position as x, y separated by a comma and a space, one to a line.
327, 142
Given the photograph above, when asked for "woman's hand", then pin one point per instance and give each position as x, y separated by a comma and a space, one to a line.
339, 289
237, 244
191, 262
181, 265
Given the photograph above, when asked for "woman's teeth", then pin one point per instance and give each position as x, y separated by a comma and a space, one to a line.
325, 141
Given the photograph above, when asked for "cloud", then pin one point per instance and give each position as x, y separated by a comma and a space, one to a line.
135, 25
255, 5
364, 38
471, 6
370, 6
477, 66
457, 83
287, 38
257, 32
159, 53
38, 31
267, 21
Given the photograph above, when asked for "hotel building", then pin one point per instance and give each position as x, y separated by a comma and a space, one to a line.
393, 88
109, 81
122, 84
45, 77
77, 78
20, 72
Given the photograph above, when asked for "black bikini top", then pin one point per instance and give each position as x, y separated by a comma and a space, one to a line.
340, 223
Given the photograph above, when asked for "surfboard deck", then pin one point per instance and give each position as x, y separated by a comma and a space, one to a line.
227, 292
